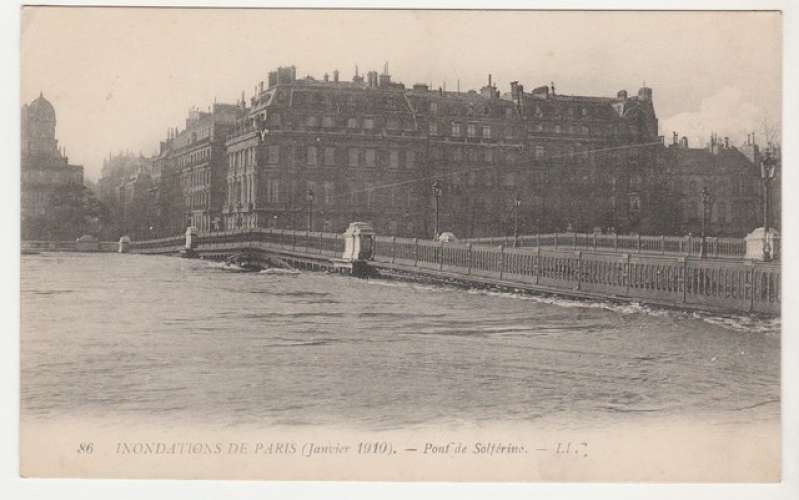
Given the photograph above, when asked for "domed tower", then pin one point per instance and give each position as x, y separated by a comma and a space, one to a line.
38, 128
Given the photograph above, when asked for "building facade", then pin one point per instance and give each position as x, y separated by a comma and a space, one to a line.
321, 153
126, 189
192, 168
329, 152
732, 204
47, 177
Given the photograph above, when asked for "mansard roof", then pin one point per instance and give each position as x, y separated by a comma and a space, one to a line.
334, 97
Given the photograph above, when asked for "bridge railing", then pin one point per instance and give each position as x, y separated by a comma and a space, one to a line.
172, 244
735, 285
739, 285
64, 246
309, 242
664, 245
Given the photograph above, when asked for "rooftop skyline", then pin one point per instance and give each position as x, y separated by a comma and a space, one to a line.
119, 78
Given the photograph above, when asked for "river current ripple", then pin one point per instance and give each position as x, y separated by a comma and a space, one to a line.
142, 338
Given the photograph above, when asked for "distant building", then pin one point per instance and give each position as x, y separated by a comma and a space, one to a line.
756, 155
126, 188
47, 175
730, 175
192, 166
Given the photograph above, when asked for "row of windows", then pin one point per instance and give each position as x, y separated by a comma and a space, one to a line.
557, 128
197, 178
472, 130
353, 123
197, 200
474, 155
356, 157
242, 158
194, 157
353, 193
470, 109
570, 111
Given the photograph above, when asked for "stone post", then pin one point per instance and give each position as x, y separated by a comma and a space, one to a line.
124, 244
762, 246
191, 243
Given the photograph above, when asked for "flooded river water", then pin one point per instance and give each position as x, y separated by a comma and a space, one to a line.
131, 338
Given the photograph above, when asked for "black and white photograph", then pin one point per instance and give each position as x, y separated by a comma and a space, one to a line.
459, 245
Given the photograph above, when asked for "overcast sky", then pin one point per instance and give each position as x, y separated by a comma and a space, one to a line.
119, 77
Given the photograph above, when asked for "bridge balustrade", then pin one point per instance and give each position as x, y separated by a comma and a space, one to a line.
637, 274
666, 245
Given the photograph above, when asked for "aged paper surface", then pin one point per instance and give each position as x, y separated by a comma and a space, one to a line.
140, 366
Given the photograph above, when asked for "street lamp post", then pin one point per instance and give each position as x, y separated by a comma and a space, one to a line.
706, 200
768, 170
436, 194
310, 197
516, 204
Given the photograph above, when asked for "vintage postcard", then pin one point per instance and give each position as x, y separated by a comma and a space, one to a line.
401, 245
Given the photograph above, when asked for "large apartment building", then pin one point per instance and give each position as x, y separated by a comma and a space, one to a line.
370, 149
327, 152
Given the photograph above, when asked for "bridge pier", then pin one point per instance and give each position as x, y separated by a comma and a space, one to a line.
189, 251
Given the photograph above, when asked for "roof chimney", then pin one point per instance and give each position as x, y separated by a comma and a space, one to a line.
335, 76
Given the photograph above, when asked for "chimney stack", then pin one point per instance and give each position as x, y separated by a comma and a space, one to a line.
335, 76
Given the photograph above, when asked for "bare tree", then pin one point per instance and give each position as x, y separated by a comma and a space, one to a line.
771, 130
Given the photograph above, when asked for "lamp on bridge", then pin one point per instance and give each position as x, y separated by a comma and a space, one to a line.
768, 171
310, 197
707, 200
436, 194
516, 204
